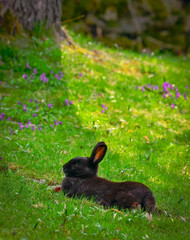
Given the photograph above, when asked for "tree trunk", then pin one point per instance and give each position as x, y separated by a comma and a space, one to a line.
32, 12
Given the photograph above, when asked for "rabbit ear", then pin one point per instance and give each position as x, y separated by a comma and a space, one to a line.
98, 152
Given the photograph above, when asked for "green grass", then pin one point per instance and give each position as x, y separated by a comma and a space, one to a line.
147, 140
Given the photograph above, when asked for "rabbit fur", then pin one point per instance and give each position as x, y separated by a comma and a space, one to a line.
82, 180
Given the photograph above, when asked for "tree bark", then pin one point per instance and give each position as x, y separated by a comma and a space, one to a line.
32, 12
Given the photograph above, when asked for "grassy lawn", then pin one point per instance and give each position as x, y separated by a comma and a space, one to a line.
57, 102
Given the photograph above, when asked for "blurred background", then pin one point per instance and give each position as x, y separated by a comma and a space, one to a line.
143, 25
139, 24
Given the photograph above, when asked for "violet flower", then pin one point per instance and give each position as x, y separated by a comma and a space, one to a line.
39, 128
35, 115
51, 125
103, 111
66, 102
30, 100
25, 76
178, 94
80, 74
185, 95
60, 123
19, 103
34, 71
55, 122
71, 102
50, 105
43, 78
11, 131
9, 118
143, 89
156, 87
33, 128
27, 65
173, 106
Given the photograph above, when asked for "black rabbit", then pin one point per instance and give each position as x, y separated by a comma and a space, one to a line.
81, 179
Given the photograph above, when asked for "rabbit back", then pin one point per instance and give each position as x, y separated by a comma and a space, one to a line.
123, 195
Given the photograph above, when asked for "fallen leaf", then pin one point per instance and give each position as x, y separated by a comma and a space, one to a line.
147, 140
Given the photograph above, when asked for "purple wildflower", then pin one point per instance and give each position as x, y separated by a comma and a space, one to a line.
21, 126
0, 157
60, 123
9, 118
185, 95
51, 71
30, 100
178, 94
39, 128
0, 82
173, 106
51, 125
164, 95
103, 111
55, 122
27, 65
19, 103
11, 131
143, 89
103, 105
43, 78
50, 105
156, 87
105, 108
33, 128
187, 87
66, 102
37, 108
37, 101
24, 107
25, 76
71, 102
61, 74
2, 116
29, 122
34, 71
27, 125
80, 74
176, 89
56, 75
34, 115
149, 85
